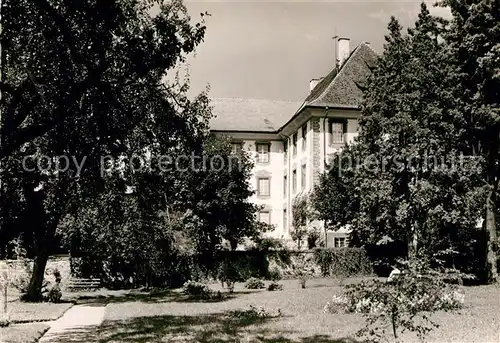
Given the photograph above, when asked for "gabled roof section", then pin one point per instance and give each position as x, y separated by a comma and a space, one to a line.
341, 88
250, 115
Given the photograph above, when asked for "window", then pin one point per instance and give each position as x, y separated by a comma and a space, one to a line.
339, 242
285, 218
303, 176
294, 143
262, 152
294, 181
336, 132
304, 137
263, 188
265, 217
285, 184
237, 147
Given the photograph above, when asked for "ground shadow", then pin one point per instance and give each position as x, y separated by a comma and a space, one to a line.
156, 297
311, 339
220, 327
202, 328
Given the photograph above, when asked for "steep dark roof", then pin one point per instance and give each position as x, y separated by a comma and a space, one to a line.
341, 88
236, 114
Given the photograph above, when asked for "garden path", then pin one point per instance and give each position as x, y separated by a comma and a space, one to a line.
76, 321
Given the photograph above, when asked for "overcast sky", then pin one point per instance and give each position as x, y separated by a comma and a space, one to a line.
270, 50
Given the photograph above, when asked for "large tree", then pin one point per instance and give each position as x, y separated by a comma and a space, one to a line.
196, 205
85, 80
217, 196
407, 179
474, 45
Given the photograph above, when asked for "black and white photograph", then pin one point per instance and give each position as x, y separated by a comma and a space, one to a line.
249, 171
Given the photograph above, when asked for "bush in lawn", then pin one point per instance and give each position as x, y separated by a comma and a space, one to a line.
4, 321
254, 283
403, 303
274, 286
302, 275
252, 314
196, 289
52, 293
20, 279
338, 304
343, 262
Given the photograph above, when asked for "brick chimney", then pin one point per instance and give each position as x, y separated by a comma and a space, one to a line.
343, 49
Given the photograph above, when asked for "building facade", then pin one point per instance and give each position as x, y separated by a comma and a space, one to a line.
292, 142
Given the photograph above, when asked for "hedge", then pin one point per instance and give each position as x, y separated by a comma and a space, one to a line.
343, 262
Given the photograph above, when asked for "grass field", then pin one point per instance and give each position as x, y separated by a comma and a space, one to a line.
28, 320
171, 318
23, 333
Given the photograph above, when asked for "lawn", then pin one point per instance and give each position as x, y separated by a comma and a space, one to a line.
171, 318
22, 312
27, 319
22, 333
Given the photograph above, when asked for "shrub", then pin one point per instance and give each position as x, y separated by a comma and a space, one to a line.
21, 280
314, 239
4, 321
54, 294
254, 283
253, 313
274, 286
228, 274
197, 290
343, 262
416, 292
339, 304
200, 291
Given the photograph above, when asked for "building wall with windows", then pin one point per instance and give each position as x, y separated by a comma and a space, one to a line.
292, 143
267, 176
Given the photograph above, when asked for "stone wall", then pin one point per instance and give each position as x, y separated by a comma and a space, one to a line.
18, 269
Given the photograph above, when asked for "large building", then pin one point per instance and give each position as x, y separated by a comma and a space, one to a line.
292, 141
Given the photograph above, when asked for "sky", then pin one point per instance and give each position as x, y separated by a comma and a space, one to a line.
272, 49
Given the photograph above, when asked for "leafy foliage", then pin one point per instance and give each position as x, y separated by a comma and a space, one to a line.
274, 286
199, 291
419, 172
474, 48
254, 313
85, 80
404, 305
314, 239
300, 213
254, 283
343, 262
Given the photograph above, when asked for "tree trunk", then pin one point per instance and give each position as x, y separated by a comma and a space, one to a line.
35, 287
326, 235
491, 238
